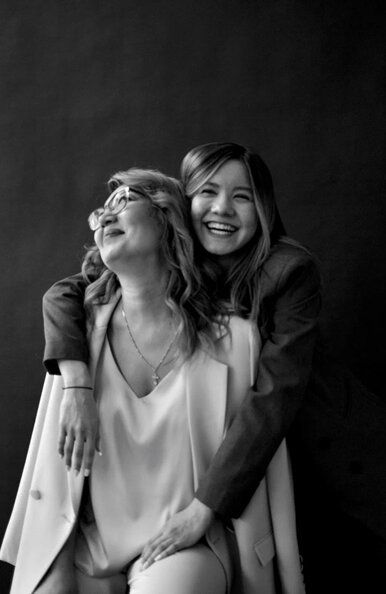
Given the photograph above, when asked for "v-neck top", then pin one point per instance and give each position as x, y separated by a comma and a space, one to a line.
145, 474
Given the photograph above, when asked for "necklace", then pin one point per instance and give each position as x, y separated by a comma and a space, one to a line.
155, 377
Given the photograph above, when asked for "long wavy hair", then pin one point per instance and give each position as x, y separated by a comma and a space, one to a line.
185, 294
241, 282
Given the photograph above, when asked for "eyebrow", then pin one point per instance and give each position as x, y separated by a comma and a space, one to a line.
245, 188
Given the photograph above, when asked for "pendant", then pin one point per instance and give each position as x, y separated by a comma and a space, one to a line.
156, 378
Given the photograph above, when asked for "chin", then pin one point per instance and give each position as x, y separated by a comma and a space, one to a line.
220, 250
109, 257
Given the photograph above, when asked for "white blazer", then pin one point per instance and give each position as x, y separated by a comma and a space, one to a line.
48, 497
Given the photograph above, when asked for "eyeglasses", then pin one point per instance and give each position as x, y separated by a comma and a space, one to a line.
115, 203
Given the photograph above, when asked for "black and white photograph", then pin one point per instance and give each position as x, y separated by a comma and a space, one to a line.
193, 297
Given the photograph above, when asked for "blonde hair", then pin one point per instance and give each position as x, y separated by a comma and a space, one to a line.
242, 279
185, 295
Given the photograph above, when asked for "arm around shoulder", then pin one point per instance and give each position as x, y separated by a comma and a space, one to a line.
64, 323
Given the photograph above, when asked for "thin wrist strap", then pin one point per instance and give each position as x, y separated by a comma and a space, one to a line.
82, 387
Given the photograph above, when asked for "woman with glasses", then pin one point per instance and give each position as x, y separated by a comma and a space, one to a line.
168, 369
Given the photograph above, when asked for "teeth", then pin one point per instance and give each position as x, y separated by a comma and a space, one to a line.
223, 227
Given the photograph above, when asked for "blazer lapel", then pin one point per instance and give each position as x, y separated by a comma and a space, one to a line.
97, 332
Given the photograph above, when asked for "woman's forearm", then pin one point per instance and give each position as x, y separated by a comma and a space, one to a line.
74, 373
78, 424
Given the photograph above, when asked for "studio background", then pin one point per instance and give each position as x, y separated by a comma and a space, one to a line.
88, 88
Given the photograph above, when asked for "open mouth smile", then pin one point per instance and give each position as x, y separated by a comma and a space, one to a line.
220, 229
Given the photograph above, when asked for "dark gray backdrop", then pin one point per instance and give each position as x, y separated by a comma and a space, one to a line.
88, 88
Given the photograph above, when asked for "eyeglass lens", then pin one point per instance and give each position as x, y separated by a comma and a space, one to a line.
115, 203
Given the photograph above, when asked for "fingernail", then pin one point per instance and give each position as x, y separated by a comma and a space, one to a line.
99, 452
61, 455
87, 472
158, 557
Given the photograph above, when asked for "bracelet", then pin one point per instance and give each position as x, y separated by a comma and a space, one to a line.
83, 387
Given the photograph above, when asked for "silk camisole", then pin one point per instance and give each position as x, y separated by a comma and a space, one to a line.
145, 474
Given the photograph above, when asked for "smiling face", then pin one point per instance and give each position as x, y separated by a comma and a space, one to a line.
223, 211
134, 232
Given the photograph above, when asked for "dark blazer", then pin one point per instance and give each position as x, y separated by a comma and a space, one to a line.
337, 435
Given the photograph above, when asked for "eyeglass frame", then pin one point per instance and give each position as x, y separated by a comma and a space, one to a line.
96, 214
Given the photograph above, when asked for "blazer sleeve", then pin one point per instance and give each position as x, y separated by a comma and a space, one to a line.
262, 421
64, 323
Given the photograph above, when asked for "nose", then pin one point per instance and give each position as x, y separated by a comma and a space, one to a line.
106, 218
222, 204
